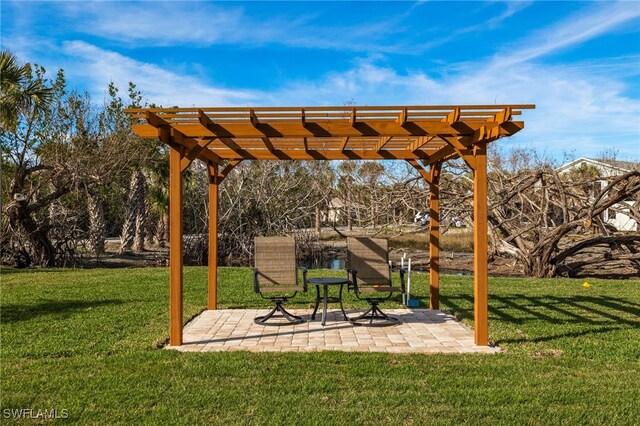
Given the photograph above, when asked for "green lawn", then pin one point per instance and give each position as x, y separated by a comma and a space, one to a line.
87, 341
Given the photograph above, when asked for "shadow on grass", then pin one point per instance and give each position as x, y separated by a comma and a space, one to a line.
24, 312
551, 337
604, 314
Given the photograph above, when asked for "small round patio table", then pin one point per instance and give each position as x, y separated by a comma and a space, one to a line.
326, 282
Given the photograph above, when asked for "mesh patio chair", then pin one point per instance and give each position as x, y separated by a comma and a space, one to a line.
275, 277
369, 270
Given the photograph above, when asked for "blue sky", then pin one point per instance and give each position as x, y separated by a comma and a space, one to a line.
579, 62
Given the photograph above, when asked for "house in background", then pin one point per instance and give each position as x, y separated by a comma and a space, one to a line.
335, 211
606, 169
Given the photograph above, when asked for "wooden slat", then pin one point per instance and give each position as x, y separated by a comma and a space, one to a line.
145, 131
503, 116
453, 116
345, 141
313, 116
155, 120
253, 118
382, 142
403, 116
422, 141
334, 108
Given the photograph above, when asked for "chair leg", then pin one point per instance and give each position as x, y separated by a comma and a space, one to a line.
292, 319
374, 317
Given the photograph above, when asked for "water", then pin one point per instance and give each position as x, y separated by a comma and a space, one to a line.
339, 264
334, 264
446, 271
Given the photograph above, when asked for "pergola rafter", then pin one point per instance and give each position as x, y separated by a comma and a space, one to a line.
330, 133
424, 136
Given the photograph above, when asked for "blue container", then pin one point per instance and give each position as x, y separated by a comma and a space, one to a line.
413, 303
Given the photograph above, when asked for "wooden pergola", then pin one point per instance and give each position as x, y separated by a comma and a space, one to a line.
424, 136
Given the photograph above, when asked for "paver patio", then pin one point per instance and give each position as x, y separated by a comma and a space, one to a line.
421, 331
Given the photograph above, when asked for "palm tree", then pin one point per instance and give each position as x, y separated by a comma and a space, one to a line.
19, 92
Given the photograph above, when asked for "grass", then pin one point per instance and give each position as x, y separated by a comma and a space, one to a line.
459, 241
86, 341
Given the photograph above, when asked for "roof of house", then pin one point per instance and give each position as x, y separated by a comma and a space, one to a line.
613, 165
336, 202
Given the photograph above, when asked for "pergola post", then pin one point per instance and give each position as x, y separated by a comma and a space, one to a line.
480, 292
212, 300
434, 236
175, 247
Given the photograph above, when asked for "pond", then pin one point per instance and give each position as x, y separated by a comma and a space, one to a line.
333, 264
339, 264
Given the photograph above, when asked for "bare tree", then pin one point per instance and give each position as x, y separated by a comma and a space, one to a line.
551, 223
269, 198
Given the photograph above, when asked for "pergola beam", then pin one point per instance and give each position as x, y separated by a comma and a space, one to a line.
190, 148
339, 129
194, 153
458, 146
315, 154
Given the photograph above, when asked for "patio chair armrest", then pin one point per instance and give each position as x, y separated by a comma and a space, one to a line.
304, 277
353, 279
256, 284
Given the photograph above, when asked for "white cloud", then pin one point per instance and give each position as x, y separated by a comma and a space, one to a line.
99, 67
201, 24
599, 19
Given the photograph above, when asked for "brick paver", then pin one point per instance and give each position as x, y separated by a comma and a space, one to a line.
421, 330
